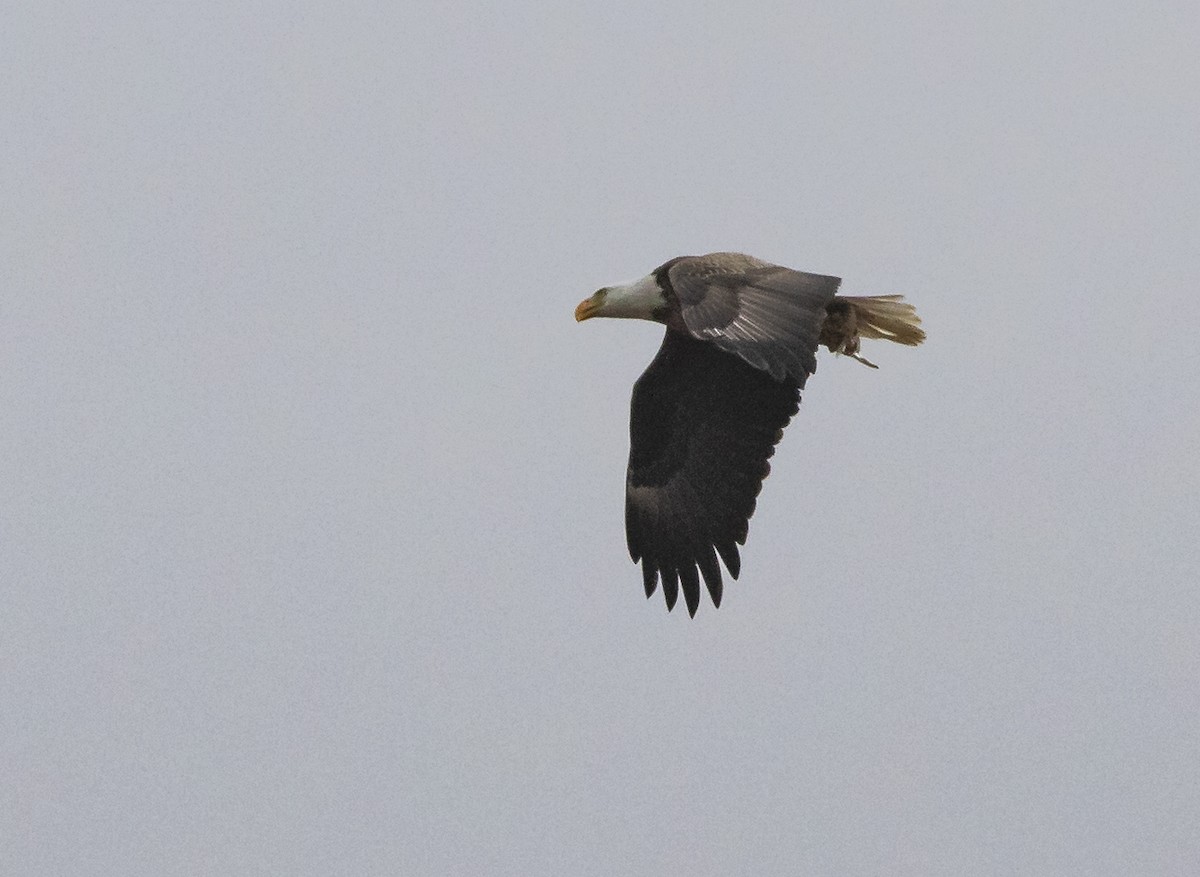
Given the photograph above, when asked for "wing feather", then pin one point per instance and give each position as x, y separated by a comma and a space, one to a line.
768, 315
703, 424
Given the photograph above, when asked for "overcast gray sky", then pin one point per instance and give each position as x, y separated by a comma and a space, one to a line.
311, 544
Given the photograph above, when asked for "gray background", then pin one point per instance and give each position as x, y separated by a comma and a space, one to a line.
312, 547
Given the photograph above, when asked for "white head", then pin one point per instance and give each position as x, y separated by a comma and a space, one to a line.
641, 300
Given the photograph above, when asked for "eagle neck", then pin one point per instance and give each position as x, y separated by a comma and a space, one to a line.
671, 313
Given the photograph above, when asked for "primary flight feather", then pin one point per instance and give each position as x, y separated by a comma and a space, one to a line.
741, 340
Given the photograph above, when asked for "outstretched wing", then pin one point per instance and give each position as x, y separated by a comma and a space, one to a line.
703, 425
768, 315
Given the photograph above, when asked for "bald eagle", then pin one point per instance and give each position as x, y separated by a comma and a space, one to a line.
741, 341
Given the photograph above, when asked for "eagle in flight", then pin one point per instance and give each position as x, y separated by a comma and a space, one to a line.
741, 340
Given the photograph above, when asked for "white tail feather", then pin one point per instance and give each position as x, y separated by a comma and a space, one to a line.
886, 316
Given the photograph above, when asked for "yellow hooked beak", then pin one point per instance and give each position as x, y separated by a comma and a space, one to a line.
589, 306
